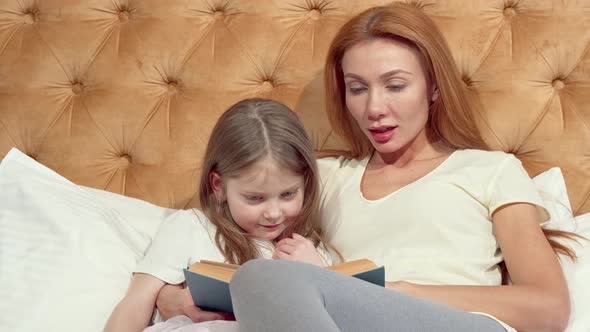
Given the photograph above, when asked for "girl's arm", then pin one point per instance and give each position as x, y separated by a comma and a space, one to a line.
134, 311
537, 300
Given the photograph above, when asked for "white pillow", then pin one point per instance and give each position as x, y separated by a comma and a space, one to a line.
66, 252
577, 275
551, 187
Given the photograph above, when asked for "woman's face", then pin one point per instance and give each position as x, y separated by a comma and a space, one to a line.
387, 93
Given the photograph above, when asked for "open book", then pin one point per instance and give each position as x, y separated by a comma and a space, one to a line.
208, 281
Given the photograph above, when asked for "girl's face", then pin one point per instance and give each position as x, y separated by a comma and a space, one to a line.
263, 199
387, 93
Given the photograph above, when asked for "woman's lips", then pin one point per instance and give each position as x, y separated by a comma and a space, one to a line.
382, 134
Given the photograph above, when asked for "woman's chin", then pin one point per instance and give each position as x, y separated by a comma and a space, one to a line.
385, 149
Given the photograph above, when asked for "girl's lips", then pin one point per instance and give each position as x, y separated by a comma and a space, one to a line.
271, 226
382, 134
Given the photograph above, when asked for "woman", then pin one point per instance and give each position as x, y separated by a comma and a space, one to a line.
420, 195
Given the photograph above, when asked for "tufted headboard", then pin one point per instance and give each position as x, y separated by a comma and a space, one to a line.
122, 94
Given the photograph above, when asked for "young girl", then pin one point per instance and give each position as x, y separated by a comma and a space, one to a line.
258, 194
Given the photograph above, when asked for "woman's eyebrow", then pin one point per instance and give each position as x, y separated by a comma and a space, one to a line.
351, 75
382, 76
393, 73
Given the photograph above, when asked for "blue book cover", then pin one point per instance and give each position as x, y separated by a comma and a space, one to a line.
208, 293
212, 294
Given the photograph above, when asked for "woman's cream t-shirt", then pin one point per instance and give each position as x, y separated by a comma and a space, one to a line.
437, 230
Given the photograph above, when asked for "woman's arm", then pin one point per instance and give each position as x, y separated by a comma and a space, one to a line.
175, 300
134, 311
537, 300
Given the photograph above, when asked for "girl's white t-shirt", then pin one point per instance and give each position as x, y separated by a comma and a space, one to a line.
186, 237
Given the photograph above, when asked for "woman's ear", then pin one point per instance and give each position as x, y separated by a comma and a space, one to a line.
435, 94
217, 185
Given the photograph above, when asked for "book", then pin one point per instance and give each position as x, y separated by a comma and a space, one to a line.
208, 281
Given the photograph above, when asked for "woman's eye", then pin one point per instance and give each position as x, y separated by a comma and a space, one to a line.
396, 87
356, 90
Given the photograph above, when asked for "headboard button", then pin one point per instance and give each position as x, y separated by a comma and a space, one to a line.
124, 161
266, 86
218, 15
172, 87
123, 16
558, 84
509, 12
314, 14
77, 88
30, 16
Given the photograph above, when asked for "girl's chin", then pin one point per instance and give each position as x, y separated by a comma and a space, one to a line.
269, 236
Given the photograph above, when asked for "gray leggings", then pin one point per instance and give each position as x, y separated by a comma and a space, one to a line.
273, 295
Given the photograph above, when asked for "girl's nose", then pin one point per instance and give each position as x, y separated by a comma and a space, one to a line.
272, 213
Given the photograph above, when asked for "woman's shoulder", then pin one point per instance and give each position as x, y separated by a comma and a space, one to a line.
338, 164
480, 163
483, 158
332, 169
487, 155
335, 161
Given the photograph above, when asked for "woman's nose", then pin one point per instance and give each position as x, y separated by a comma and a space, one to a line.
375, 106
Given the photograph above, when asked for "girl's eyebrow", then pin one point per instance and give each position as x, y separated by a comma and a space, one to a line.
293, 188
253, 192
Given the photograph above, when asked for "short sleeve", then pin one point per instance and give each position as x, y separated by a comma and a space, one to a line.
172, 249
327, 167
326, 254
512, 184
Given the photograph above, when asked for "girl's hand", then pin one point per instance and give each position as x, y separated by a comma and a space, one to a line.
298, 249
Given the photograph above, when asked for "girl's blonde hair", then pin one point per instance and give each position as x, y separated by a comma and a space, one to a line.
248, 132
451, 117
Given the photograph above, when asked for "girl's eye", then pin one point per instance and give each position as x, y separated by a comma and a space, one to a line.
253, 198
288, 194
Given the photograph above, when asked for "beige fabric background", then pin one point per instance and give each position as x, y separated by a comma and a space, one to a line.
122, 95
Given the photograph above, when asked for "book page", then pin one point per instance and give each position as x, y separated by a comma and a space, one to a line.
220, 271
353, 267
224, 271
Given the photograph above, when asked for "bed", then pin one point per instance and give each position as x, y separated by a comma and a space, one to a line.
113, 101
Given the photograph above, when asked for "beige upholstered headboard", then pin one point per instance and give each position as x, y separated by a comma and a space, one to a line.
122, 94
